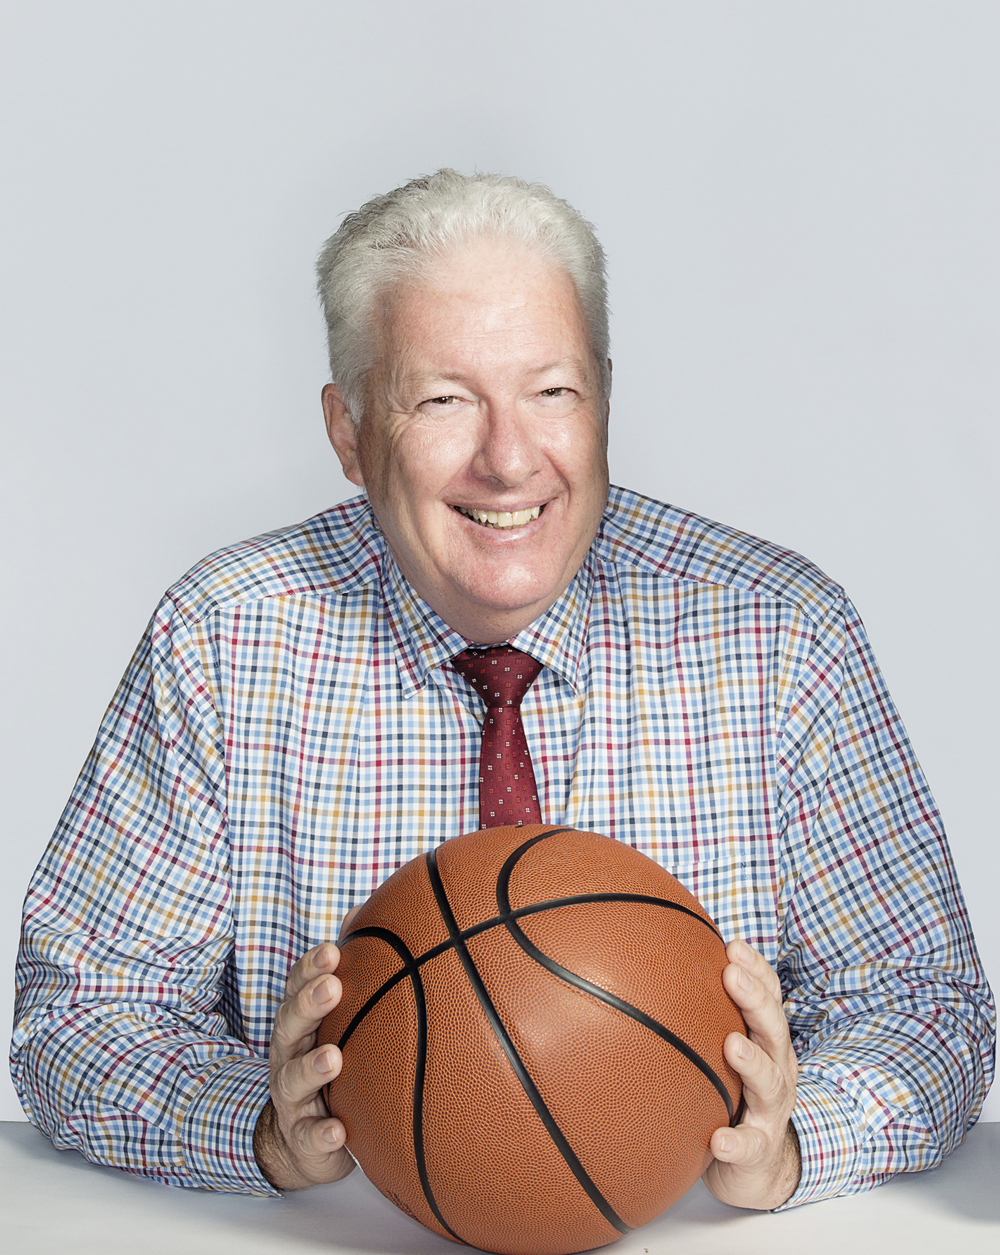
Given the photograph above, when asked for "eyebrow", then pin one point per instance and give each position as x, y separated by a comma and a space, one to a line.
426, 379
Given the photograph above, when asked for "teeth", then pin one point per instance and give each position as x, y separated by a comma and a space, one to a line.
501, 518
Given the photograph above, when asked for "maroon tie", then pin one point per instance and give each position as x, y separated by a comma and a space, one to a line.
502, 675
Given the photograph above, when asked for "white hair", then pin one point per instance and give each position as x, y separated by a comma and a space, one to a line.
422, 223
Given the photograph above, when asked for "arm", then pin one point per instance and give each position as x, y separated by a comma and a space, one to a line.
888, 1008
127, 1038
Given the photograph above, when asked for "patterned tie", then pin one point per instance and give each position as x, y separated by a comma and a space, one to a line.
502, 675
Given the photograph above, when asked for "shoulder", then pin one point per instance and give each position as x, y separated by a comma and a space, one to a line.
333, 553
660, 540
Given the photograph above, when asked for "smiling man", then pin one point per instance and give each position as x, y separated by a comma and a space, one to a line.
484, 450
297, 723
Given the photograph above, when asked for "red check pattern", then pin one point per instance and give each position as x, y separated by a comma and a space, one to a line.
290, 731
501, 676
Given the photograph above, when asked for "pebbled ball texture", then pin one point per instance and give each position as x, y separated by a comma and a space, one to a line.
525, 1071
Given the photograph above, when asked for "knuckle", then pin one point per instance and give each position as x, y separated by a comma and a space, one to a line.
774, 1089
305, 968
303, 1002
296, 973
762, 1149
294, 1082
281, 1088
281, 1037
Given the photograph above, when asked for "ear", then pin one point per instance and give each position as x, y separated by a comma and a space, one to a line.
343, 433
607, 404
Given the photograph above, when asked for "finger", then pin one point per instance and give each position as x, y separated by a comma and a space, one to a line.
322, 1137
766, 1088
762, 1011
300, 1016
349, 920
320, 959
753, 961
297, 1083
317, 1146
746, 1146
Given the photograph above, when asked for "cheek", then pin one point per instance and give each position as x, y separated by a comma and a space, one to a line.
394, 464
581, 457
428, 460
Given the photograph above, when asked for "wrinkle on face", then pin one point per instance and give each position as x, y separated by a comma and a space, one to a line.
488, 398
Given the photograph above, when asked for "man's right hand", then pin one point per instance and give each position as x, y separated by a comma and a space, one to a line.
296, 1143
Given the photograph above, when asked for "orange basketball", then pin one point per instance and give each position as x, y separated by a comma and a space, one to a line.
532, 1027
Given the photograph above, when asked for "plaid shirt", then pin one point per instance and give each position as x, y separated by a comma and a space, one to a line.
287, 735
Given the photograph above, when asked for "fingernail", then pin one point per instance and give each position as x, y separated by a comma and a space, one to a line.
331, 1135
744, 1049
745, 982
324, 1063
725, 1144
323, 992
322, 957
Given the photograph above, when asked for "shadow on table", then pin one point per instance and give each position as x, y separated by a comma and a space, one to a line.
967, 1183
350, 1214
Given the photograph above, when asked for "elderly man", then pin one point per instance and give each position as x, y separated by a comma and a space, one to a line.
297, 723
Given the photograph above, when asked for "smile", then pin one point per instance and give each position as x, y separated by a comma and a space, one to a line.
501, 518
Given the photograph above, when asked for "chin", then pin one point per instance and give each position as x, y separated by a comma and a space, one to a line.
509, 596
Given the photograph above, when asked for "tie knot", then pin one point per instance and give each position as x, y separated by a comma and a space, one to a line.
501, 675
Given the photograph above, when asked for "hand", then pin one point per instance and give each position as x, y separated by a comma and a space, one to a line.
296, 1143
757, 1164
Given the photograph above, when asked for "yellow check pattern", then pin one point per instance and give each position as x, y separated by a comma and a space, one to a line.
288, 734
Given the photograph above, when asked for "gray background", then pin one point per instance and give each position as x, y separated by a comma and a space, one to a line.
799, 202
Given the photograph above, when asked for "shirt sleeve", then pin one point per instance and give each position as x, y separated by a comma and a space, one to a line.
127, 1040
891, 1016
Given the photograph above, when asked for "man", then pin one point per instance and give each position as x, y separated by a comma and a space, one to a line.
293, 728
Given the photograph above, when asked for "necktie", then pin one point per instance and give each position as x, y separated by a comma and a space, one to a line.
502, 675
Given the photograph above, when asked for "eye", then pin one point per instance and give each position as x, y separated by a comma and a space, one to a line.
555, 392
437, 405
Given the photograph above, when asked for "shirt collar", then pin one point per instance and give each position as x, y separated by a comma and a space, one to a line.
424, 641
558, 638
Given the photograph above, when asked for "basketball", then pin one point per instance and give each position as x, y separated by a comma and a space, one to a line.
532, 1026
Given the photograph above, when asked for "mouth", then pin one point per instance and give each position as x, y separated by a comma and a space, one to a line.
500, 518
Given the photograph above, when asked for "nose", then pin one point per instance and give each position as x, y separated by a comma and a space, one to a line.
509, 451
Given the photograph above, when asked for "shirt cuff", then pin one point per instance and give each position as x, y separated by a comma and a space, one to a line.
217, 1129
826, 1125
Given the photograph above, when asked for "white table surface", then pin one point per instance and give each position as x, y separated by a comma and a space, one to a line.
54, 1201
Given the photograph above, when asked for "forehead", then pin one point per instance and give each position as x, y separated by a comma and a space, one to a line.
482, 302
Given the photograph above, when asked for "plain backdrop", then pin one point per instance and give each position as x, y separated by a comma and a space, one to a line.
799, 203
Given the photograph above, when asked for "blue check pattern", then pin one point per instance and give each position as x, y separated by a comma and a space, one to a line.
287, 735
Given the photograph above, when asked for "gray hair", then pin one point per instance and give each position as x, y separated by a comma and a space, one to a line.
405, 231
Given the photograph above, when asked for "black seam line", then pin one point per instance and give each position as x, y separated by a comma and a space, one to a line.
420, 1069
612, 1000
514, 858
510, 1050
495, 921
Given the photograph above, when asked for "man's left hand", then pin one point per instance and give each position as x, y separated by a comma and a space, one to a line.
757, 1164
